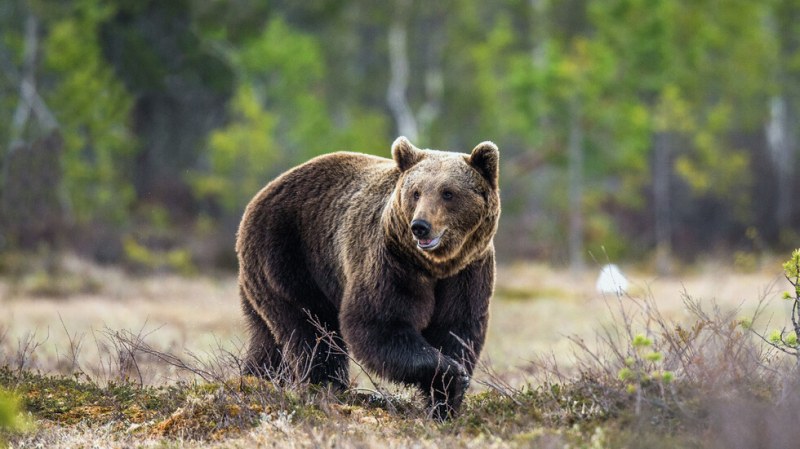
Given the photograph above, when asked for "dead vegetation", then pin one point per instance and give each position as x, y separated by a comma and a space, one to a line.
645, 379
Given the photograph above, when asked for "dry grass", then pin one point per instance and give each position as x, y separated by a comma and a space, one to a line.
157, 358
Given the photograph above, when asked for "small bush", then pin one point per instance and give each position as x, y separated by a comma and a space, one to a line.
11, 418
785, 340
46, 273
705, 382
142, 258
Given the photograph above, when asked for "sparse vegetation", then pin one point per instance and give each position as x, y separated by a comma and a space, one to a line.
11, 418
651, 378
786, 340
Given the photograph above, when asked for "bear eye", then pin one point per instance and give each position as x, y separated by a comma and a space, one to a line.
416, 194
447, 195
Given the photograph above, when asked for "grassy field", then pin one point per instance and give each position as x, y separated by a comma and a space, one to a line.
102, 358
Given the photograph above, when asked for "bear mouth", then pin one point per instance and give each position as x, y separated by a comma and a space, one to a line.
429, 244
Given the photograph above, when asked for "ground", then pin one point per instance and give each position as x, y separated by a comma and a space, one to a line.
537, 316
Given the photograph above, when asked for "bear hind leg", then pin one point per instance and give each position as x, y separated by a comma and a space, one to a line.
263, 357
301, 340
315, 350
302, 321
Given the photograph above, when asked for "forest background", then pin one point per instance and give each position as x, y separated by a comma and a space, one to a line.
662, 132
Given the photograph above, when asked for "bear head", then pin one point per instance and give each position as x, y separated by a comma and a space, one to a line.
449, 203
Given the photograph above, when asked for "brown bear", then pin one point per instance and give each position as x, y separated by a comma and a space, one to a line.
389, 261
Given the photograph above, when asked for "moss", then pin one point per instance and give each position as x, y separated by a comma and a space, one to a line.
69, 400
527, 294
587, 412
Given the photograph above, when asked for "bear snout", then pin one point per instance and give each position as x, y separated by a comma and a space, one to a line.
423, 234
420, 228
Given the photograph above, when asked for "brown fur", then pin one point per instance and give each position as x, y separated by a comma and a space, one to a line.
330, 241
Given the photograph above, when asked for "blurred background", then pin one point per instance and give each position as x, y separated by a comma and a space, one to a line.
661, 132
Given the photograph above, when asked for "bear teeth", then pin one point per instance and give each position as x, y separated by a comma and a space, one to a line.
428, 243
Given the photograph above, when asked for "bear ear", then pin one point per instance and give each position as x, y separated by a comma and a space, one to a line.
405, 154
485, 158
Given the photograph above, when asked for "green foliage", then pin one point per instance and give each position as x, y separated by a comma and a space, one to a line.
781, 339
11, 418
268, 87
746, 323
654, 357
241, 154
362, 130
492, 63
745, 262
45, 273
775, 336
8, 411
791, 268
93, 109
644, 366
278, 117
143, 258
287, 70
682, 55
791, 339
641, 341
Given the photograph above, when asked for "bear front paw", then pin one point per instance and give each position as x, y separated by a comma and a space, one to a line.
448, 391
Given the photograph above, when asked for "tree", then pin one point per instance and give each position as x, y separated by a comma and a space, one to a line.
93, 109
683, 61
781, 132
278, 116
241, 154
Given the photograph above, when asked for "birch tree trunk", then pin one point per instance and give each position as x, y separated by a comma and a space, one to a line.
782, 150
435, 39
399, 67
31, 211
26, 91
662, 171
575, 176
29, 102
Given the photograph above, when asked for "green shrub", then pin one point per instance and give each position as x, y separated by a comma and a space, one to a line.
782, 339
11, 419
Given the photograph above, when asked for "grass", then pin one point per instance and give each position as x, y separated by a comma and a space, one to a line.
222, 413
114, 366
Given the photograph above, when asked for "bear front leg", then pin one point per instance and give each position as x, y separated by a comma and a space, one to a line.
459, 324
389, 345
446, 391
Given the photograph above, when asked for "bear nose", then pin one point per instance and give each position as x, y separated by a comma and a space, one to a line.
420, 228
